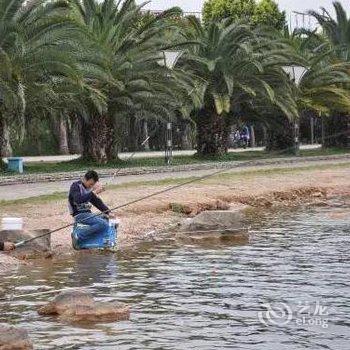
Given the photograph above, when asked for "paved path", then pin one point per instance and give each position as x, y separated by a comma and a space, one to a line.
18, 191
154, 154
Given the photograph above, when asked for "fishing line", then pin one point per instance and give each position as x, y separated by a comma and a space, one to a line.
129, 158
129, 203
167, 231
154, 194
19, 244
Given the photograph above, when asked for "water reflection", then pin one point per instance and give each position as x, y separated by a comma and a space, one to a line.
190, 296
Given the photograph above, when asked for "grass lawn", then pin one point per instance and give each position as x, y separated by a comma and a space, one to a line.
79, 164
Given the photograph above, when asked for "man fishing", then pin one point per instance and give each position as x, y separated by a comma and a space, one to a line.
82, 195
7, 246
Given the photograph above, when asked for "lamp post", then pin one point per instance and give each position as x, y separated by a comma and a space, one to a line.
295, 74
169, 59
1, 98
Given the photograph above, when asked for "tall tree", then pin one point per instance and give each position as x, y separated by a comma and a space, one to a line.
336, 29
337, 32
34, 38
321, 88
262, 12
233, 65
130, 49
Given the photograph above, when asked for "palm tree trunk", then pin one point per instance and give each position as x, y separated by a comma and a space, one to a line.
265, 135
186, 135
337, 131
252, 137
5, 144
280, 136
75, 142
97, 138
62, 135
135, 134
211, 134
114, 129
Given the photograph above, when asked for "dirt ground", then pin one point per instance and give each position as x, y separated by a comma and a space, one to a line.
254, 187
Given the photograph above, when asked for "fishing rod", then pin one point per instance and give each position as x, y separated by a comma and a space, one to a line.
21, 243
168, 189
130, 157
167, 230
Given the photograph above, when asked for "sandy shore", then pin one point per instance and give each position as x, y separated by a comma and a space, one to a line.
255, 187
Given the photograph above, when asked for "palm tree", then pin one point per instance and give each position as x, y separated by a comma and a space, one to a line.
323, 90
323, 86
129, 46
337, 29
320, 89
337, 33
36, 41
234, 66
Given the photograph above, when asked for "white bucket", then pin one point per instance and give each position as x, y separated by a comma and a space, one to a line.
12, 224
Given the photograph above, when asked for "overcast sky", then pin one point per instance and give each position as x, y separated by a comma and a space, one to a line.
288, 5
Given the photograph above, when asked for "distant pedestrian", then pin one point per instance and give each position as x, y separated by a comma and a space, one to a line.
245, 137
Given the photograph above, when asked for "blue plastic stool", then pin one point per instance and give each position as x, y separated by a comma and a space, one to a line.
101, 240
15, 164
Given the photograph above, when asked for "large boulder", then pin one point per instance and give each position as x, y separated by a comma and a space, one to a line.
79, 306
38, 247
215, 225
12, 338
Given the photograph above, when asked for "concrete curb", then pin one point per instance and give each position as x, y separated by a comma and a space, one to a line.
54, 177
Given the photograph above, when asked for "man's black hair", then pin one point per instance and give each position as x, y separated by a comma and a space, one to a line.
91, 174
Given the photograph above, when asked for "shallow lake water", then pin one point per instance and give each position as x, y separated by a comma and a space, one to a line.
288, 288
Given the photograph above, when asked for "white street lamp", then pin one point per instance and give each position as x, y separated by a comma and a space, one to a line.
169, 59
295, 74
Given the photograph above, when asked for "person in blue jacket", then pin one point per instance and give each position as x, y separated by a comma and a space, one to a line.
83, 194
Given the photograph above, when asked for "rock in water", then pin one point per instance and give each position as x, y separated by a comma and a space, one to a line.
12, 338
66, 301
38, 247
79, 306
7, 262
216, 226
99, 312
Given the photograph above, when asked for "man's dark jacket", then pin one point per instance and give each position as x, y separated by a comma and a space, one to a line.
80, 197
